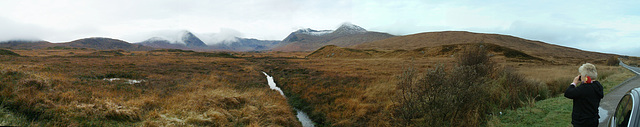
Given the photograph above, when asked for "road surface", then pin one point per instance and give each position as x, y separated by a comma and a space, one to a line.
610, 100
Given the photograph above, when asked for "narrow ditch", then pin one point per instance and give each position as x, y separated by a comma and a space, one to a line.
302, 116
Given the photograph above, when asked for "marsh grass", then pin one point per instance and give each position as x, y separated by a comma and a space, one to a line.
362, 91
177, 91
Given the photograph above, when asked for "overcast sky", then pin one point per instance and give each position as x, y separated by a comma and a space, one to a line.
610, 26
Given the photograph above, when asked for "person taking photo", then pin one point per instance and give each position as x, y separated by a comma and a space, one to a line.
586, 94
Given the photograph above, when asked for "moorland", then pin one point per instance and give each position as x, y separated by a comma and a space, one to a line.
429, 79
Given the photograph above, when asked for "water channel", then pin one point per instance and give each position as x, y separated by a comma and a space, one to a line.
302, 117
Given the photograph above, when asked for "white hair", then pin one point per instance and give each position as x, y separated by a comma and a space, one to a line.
588, 69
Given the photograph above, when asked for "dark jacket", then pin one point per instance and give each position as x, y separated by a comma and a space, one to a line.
586, 100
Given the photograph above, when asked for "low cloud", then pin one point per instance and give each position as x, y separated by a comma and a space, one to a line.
20, 31
226, 35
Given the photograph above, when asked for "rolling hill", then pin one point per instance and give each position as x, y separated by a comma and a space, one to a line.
98, 43
26, 44
105, 44
346, 35
433, 39
245, 44
332, 51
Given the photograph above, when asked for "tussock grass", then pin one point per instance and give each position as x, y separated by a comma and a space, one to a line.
360, 91
177, 91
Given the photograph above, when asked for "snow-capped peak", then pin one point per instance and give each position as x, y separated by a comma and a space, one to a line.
350, 28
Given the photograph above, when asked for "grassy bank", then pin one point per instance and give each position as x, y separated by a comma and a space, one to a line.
552, 112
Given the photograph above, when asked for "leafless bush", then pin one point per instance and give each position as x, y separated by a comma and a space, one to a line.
462, 95
613, 61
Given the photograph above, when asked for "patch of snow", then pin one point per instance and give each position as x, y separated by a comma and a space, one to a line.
128, 81
310, 31
348, 28
352, 27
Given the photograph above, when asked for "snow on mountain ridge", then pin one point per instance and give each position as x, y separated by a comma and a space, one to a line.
310, 31
348, 28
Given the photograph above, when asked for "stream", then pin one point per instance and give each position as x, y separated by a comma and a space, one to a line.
302, 117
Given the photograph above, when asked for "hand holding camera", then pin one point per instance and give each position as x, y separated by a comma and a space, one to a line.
577, 80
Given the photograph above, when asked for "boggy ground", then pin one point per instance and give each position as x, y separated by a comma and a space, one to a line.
363, 91
67, 87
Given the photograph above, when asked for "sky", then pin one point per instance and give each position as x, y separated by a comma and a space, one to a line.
594, 25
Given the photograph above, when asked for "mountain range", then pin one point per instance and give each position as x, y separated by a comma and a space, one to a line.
346, 35
307, 39
188, 40
98, 43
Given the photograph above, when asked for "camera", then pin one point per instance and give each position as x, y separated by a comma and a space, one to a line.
579, 78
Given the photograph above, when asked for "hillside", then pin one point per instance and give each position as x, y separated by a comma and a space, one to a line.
93, 43
533, 48
185, 40
346, 35
105, 44
245, 44
332, 51
21, 44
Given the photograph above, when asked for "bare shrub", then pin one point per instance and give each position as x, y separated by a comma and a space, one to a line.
612, 61
462, 95
476, 55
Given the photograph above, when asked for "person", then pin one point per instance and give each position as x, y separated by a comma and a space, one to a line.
586, 94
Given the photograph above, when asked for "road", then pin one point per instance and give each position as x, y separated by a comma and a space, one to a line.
610, 101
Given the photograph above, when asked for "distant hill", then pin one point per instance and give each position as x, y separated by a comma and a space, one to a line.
157, 42
192, 41
434, 39
346, 35
332, 51
186, 40
25, 44
245, 44
105, 44
94, 43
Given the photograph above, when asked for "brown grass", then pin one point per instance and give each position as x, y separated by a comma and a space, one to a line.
539, 49
357, 91
65, 87
57, 88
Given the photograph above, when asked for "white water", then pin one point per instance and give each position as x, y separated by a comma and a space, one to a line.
302, 117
